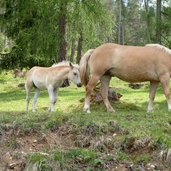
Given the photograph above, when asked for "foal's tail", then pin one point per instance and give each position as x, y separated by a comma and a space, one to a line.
84, 66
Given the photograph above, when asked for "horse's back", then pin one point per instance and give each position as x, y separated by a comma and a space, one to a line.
130, 63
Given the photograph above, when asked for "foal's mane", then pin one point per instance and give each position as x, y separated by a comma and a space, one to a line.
165, 49
65, 63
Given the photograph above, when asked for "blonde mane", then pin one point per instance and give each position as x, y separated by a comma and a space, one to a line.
65, 63
165, 49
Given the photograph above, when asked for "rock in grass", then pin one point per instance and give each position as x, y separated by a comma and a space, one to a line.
165, 155
168, 157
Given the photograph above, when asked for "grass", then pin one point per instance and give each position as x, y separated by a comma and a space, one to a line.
131, 116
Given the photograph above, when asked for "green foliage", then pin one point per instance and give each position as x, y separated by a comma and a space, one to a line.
39, 162
122, 156
82, 155
33, 25
1, 42
143, 158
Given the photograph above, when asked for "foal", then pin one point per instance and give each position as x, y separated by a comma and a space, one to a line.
50, 78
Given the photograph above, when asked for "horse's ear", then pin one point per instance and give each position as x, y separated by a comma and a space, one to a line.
70, 64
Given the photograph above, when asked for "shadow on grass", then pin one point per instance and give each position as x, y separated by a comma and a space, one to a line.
2, 81
122, 106
12, 113
19, 95
137, 91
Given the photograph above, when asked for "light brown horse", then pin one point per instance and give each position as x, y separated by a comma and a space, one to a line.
129, 63
50, 78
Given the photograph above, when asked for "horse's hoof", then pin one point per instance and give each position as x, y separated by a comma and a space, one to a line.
86, 110
111, 111
149, 111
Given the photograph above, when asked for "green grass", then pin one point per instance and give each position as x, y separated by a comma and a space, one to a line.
130, 114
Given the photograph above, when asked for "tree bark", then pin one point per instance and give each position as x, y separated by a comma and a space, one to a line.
158, 22
123, 31
79, 49
62, 50
121, 24
119, 21
72, 51
146, 2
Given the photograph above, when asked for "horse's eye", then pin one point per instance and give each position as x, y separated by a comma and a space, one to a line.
75, 73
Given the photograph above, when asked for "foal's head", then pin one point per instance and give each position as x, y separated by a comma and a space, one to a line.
74, 74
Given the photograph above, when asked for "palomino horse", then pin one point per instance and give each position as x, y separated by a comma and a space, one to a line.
50, 78
129, 63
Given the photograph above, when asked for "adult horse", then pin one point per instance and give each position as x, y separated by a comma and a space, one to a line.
129, 63
50, 78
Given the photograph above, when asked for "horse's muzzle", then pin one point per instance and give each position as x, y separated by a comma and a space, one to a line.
79, 85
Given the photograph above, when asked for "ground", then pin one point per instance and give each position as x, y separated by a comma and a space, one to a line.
69, 139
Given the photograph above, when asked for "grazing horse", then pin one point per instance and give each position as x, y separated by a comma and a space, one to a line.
129, 63
50, 78
19, 73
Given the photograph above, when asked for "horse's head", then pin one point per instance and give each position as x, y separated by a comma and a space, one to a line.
74, 74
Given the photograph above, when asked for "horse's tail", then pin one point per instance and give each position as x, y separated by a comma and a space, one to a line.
84, 66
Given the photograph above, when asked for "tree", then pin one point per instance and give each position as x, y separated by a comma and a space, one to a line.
121, 25
62, 48
158, 22
146, 5
43, 31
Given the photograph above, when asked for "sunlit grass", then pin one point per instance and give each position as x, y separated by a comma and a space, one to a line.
130, 111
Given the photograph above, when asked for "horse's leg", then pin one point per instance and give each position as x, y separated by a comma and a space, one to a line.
55, 91
105, 80
51, 96
27, 98
165, 79
153, 88
35, 99
89, 89
28, 86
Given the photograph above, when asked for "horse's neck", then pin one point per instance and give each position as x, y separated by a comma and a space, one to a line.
64, 71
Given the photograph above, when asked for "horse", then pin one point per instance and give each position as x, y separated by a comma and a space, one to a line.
19, 73
151, 62
50, 78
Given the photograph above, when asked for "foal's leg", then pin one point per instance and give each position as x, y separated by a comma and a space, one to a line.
55, 92
105, 80
27, 98
165, 79
28, 86
89, 89
35, 99
52, 99
153, 88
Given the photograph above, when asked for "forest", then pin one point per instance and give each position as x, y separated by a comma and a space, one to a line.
37, 32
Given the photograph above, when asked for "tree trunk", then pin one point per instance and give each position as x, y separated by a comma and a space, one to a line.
79, 49
119, 21
123, 31
158, 22
62, 50
121, 24
146, 2
72, 51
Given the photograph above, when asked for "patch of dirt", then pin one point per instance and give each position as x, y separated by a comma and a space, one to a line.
16, 145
